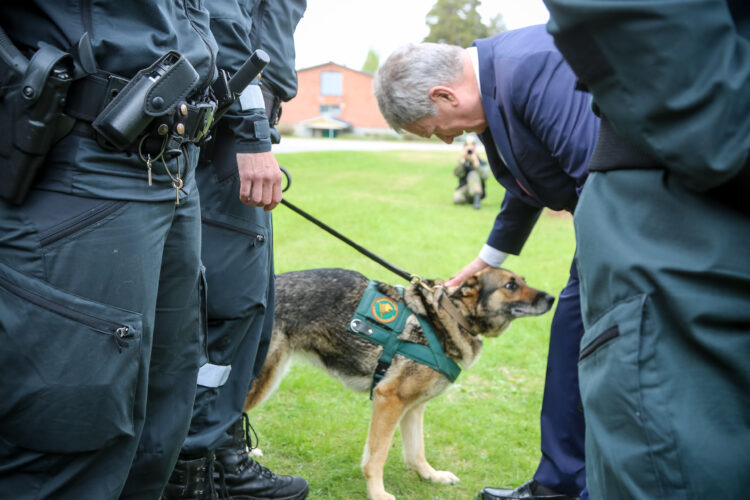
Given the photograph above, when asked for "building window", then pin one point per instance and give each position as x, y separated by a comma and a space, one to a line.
330, 83
330, 110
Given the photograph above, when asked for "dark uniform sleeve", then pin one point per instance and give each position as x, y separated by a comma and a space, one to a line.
275, 34
231, 25
672, 77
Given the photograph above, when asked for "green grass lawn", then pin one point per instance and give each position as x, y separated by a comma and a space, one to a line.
485, 429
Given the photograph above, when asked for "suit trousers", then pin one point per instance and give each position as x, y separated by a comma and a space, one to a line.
664, 372
562, 422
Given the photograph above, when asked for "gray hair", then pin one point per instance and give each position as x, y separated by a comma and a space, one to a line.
402, 84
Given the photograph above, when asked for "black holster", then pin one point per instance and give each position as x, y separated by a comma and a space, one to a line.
31, 116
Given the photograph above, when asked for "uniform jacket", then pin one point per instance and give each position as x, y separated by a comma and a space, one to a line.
541, 131
274, 24
231, 24
240, 27
126, 36
683, 72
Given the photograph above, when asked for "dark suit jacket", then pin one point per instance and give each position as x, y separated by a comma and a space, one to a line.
541, 130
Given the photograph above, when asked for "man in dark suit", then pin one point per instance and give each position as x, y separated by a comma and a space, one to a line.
518, 94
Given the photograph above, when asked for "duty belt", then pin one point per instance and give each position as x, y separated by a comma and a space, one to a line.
613, 152
90, 95
380, 319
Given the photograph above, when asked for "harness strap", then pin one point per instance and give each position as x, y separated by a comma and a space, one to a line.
380, 320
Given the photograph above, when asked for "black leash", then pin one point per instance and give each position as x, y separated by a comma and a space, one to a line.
394, 269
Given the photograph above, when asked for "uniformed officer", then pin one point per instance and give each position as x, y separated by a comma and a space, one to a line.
663, 230
471, 172
517, 93
238, 255
100, 275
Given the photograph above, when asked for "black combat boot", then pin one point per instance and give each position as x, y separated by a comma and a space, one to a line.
246, 479
192, 479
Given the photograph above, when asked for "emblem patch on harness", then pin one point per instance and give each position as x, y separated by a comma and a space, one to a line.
384, 309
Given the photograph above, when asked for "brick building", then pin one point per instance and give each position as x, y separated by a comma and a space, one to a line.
333, 99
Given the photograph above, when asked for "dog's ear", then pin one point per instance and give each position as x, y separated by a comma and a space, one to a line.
470, 287
429, 282
434, 283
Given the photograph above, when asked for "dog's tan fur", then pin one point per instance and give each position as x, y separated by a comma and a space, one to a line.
312, 313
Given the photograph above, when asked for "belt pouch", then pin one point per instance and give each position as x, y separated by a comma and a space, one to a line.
154, 91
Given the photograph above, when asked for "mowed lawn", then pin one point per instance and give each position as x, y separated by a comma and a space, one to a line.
485, 429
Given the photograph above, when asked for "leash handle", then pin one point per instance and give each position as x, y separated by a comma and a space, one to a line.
394, 269
288, 178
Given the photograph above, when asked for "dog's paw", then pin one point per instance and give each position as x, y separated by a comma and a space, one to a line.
256, 452
382, 496
444, 477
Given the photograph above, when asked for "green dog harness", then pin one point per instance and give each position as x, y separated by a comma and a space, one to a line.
380, 319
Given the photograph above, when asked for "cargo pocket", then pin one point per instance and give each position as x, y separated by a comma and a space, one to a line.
625, 395
69, 367
237, 259
608, 360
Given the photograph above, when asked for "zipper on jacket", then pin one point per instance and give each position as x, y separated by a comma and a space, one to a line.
79, 222
212, 66
118, 332
88, 25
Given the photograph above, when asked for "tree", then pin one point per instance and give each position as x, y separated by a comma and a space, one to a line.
458, 22
372, 61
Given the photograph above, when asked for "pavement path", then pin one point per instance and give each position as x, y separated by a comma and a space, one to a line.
300, 145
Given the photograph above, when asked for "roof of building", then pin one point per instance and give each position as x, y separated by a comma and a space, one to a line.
336, 64
327, 123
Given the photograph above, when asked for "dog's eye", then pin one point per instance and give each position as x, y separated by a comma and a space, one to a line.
511, 285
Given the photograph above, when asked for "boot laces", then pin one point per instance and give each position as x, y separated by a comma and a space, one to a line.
258, 468
262, 470
248, 428
212, 466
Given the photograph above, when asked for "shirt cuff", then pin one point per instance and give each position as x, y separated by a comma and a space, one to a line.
492, 256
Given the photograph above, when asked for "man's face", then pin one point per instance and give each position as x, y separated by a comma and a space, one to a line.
451, 121
444, 128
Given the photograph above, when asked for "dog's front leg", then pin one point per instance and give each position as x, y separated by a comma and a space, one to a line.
387, 409
412, 436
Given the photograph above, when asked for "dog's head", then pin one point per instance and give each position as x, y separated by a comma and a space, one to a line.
494, 297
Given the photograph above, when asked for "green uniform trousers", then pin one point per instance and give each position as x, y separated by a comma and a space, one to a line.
665, 361
101, 336
473, 186
237, 251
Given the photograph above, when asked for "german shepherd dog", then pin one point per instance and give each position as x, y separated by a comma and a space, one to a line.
313, 310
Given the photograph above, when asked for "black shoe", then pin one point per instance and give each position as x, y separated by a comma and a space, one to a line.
477, 201
192, 479
527, 491
246, 479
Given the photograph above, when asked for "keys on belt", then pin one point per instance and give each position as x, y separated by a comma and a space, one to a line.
189, 121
